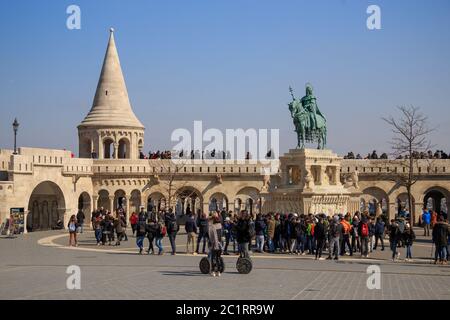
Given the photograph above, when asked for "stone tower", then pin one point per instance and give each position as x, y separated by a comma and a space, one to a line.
111, 130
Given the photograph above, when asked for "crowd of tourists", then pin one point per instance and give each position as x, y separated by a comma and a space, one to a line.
316, 235
438, 154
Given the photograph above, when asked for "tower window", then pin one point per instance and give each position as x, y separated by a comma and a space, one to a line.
106, 92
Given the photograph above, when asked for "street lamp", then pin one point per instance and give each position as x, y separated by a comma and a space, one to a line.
15, 128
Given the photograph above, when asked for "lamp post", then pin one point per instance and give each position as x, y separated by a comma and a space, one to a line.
15, 128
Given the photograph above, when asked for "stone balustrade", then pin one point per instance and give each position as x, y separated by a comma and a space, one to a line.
374, 167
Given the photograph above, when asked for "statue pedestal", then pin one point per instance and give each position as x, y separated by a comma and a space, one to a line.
310, 183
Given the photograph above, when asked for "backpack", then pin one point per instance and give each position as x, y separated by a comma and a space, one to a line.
364, 230
172, 226
163, 231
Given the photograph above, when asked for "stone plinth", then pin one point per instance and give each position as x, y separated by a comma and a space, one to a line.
310, 183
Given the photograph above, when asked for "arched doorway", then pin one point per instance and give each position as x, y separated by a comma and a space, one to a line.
218, 202
103, 200
124, 149
120, 201
47, 205
84, 204
156, 202
402, 204
249, 197
374, 199
188, 201
135, 201
436, 199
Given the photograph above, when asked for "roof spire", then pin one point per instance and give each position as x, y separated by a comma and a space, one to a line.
111, 106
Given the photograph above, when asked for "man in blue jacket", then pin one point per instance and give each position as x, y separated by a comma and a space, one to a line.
426, 220
379, 233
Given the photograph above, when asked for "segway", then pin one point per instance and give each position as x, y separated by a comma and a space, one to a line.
205, 265
244, 264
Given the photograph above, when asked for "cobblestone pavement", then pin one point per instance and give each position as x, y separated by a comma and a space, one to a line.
33, 266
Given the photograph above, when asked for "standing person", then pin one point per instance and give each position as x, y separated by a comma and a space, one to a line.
97, 220
434, 218
440, 237
410, 236
301, 235
118, 227
133, 222
356, 244
426, 221
363, 231
141, 230
80, 220
346, 227
319, 234
191, 230
310, 234
109, 227
172, 229
394, 235
379, 233
152, 233
335, 235
214, 245
227, 230
123, 221
270, 232
371, 234
243, 234
202, 223
293, 234
260, 226
161, 232
277, 234
72, 226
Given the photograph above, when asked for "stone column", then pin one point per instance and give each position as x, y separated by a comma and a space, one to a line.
418, 207
111, 203
94, 203
127, 208
337, 175
116, 150
25, 218
144, 201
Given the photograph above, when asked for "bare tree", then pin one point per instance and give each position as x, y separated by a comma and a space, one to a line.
170, 179
409, 141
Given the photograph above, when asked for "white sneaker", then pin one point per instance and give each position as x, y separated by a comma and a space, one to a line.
213, 274
218, 274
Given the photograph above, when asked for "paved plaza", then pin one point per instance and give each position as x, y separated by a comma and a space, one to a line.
33, 266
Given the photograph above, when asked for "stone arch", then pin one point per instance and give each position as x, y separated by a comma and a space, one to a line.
188, 200
108, 148
218, 201
124, 150
373, 198
156, 201
85, 205
250, 199
47, 204
103, 200
436, 198
120, 200
401, 203
135, 200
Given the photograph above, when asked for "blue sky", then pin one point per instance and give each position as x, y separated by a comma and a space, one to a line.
227, 63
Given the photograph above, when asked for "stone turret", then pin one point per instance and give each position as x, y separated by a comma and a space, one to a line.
111, 130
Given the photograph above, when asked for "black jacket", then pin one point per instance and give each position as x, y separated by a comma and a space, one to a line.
171, 223
242, 231
80, 217
190, 225
202, 224
440, 234
319, 231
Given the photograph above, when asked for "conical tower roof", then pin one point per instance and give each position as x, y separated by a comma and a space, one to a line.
111, 106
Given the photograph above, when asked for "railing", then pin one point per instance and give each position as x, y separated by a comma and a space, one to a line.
369, 167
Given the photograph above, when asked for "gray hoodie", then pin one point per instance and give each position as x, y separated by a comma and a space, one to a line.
214, 243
